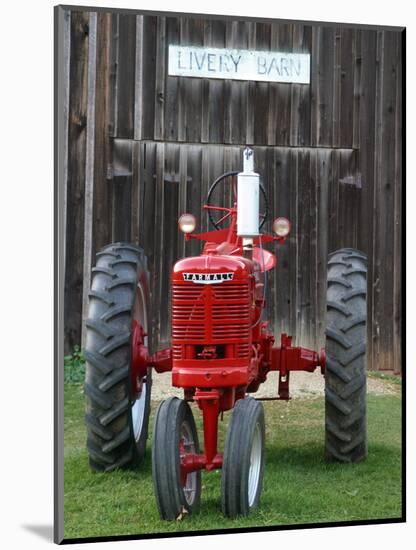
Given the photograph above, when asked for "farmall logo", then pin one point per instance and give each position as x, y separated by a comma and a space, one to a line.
208, 278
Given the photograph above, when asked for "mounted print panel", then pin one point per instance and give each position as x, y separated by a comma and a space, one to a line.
231, 201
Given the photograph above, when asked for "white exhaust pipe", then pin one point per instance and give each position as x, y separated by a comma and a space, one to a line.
248, 185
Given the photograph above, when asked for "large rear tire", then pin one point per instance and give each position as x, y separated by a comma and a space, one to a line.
117, 416
345, 372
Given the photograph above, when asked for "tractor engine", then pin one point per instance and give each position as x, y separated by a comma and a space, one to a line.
212, 315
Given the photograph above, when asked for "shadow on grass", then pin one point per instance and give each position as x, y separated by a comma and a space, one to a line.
313, 455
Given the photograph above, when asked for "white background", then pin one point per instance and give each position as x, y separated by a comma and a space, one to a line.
26, 218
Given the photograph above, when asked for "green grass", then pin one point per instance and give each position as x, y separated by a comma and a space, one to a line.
392, 378
74, 367
299, 487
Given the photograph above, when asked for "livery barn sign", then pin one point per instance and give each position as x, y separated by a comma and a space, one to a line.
239, 64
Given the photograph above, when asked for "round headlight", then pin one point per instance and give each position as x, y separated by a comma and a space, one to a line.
187, 223
281, 226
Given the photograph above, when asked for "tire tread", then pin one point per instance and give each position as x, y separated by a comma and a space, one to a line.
110, 437
345, 375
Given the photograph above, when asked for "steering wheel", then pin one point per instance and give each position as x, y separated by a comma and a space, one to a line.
228, 211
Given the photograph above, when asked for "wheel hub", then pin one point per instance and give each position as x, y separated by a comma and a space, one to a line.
188, 479
139, 356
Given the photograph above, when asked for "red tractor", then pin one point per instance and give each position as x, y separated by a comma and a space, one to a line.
222, 349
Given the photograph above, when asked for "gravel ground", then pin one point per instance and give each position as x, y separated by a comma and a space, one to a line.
302, 385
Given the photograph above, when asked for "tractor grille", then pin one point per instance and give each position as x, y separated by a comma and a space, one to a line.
210, 314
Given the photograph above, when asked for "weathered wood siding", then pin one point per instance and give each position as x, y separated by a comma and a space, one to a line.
144, 147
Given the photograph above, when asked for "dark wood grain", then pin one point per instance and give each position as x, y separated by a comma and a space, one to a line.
149, 76
384, 202
103, 147
398, 291
300, 107
325, 86
279, 93
260, 103
89, 170
329, 154
77, 133
214, 104
367, 136
126, 65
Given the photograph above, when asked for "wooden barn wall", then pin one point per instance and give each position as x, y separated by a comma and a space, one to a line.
144, 146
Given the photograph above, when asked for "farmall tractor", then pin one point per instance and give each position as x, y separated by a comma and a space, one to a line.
222, 349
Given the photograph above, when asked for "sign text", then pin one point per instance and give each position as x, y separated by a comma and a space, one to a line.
239, 64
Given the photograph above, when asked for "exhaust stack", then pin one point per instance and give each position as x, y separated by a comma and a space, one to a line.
248, 184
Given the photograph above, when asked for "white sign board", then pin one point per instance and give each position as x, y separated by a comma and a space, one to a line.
239, 64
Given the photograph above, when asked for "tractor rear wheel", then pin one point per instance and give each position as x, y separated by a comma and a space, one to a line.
174, 436
345, 371
117, 407
243, 468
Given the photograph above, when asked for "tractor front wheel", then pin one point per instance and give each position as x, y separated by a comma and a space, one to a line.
174, 436
243, 468
345, 371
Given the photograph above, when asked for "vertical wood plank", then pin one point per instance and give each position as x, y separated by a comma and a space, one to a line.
336, 99
333, 203
294, 243
325, 85
300, 108
89, 169
192, 34
213, 108
172, 84
324, 177
169, 236
136, 193
346, 110
357, 87
314, 87
159, 223
375, 287
148, 210
113, 129
313, 250
367, 134
66, 40
140, 182
183, 181
122, 193
139, 83
252, 34
397, 284
261, 90
304, 260
126, 63
279, 93
349, 200
284, 272
196, 185
384, 202
237, 37
149, 76
78, 105
160, 76
102, 215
